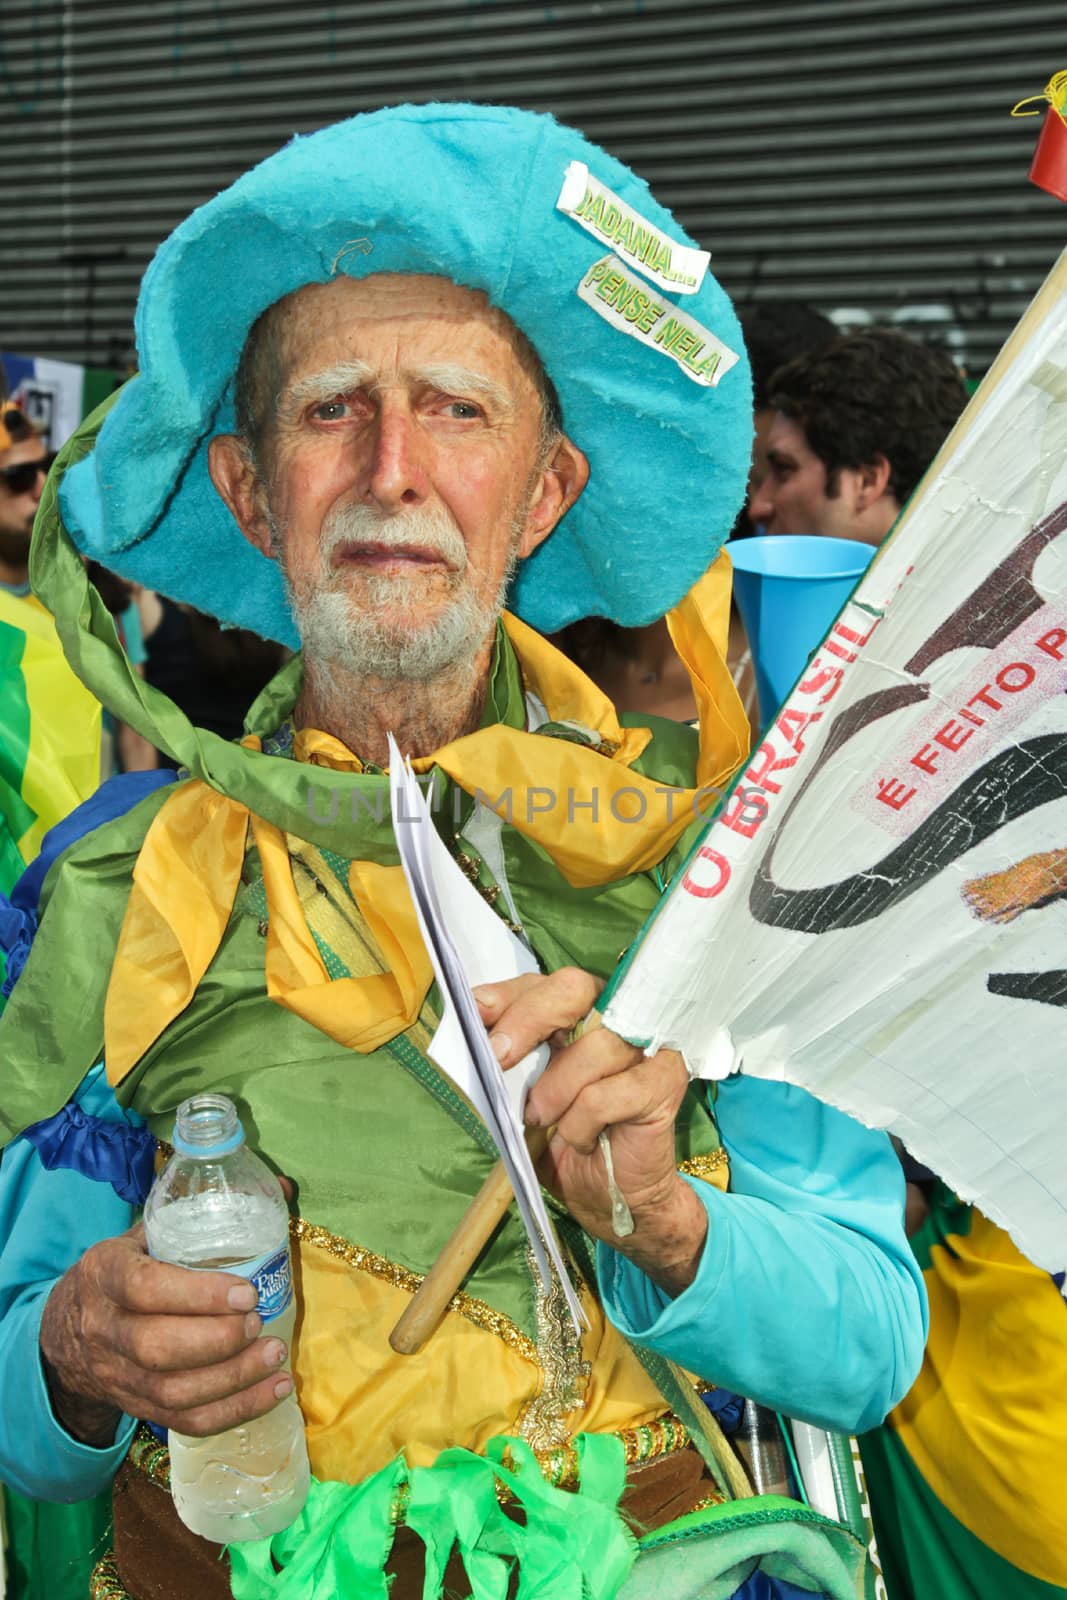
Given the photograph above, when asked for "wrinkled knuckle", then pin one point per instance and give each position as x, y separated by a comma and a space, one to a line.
171, 1391
594, 1100
225, 1339
579, 1136
674, 1063
575, 985
238, 1408
166, 1391
94, 1273
611, 1052
141, 1283
144, 1351
199, 1422
92, 1322
128, 1279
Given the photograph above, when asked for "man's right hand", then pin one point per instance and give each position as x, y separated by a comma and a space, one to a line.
122, 1332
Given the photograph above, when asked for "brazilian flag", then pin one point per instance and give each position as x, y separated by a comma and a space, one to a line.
49, 763
967, 1476
49, 733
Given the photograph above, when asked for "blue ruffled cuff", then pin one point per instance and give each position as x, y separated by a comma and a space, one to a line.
109, 1152
17, 928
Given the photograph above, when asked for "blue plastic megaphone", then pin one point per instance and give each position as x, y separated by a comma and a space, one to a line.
789, 589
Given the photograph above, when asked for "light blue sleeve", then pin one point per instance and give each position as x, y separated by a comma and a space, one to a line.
47, 1220
808, 1298
129, 620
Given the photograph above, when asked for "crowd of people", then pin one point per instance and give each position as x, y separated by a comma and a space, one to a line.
454, 490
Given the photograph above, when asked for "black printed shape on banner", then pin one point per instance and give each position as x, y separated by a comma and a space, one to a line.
1013, 782
1048, 987
999, 605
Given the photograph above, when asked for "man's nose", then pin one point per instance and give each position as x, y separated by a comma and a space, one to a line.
396, 473
760, 503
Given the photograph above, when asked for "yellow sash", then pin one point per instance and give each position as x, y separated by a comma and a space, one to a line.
189, 867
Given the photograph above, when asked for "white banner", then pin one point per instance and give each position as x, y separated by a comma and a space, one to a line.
878, 912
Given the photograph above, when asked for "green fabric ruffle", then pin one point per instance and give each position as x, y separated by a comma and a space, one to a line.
571, 1546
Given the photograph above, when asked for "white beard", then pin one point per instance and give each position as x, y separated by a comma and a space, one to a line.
364, 643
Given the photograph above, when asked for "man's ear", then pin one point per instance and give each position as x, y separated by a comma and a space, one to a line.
872, 482
236, 480
558, 485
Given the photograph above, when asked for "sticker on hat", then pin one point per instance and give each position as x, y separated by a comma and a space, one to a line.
596, 208
632, 307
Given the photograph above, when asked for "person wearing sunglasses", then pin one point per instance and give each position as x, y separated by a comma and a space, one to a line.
24, 464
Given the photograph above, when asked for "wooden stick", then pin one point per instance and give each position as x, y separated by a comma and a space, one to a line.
430, 1300
731, 1468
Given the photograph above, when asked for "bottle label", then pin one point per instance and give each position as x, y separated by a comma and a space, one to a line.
273, 1277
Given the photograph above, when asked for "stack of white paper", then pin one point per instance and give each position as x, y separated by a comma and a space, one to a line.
469, 944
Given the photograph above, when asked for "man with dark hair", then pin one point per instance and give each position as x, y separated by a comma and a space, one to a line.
857, 422
777, 331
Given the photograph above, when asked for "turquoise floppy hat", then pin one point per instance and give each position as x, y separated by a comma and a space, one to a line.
639, 339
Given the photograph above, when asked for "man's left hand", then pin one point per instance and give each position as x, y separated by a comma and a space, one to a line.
599, 1082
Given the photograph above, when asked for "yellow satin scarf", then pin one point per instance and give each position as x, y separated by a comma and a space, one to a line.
189, 867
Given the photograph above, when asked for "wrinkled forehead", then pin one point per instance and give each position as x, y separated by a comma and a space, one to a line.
389, 314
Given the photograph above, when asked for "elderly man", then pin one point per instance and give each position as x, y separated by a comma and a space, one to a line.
405, 363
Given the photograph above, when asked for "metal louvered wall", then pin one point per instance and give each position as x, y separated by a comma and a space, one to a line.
855, 153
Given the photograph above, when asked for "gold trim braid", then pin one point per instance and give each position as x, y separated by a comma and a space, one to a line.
711, 1168
150, 1456
565, 1375
648, 1441
104, 1581
479, 1312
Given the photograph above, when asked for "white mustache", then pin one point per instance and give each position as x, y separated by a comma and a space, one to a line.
430, 528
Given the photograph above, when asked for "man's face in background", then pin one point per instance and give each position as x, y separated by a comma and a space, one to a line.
794, 494
23, 467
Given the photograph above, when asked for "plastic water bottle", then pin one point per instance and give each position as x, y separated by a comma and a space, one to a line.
217, 1207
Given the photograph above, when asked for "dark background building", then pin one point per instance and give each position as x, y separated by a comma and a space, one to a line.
856, 153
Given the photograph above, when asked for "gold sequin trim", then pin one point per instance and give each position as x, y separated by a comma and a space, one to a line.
709, 1500
105, 1583
150, 1457
483, 1316
560, 1467
650, 1440
709, 1167
543, 1423
490, 892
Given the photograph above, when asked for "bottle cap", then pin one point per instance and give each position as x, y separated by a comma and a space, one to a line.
207, 1125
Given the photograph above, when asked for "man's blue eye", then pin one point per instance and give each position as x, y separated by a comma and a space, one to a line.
330, 410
